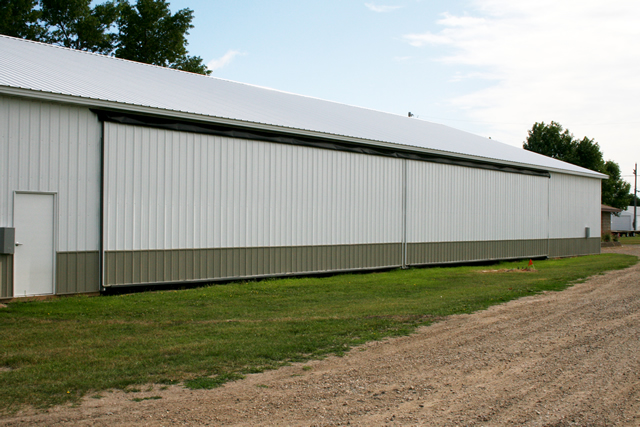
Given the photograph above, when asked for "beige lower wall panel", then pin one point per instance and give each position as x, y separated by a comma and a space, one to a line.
77, 272
6, 276
139, 267
156, 266
446, 252
573, 247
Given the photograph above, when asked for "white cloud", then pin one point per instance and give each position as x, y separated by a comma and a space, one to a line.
572, 61
381, 8
215, 64
419, 40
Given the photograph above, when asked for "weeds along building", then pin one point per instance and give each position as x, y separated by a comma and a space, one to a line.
116, 173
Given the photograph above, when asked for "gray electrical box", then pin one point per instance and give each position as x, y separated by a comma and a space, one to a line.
587, 232
7, 240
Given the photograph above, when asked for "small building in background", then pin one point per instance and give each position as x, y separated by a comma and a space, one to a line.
623, 223
606, 218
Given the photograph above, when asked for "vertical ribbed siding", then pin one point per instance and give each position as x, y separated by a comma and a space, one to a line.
574, 205
77, 272
453, 203
6, 276
181, 265
449, 252
178, 190
574, 247
46, 147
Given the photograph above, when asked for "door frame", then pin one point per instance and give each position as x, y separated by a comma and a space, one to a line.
55, 232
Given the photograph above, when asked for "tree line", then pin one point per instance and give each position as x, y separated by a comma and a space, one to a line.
553, 141
146, 31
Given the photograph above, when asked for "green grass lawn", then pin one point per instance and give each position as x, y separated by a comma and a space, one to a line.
59, 350
630, 240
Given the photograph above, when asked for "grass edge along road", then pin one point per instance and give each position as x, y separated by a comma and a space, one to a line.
58, 351
635, 240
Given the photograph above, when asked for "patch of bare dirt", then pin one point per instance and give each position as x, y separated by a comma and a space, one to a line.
555, 359
510, 270
528, 269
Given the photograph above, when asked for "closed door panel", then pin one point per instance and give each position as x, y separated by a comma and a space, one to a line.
34, 254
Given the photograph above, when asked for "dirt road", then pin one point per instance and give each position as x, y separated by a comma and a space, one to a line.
556, 359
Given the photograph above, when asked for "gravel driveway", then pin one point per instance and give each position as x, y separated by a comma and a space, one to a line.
555, 359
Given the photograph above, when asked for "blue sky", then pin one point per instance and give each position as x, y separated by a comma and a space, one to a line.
491, 67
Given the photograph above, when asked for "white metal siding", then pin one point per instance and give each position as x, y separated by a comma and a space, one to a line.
624, 222
448, 203
575, 204
49, 147
172, 190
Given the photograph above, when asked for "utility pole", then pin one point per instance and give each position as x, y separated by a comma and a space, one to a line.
635, 198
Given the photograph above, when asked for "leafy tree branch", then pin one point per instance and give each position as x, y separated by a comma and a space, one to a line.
554, 141
146, 31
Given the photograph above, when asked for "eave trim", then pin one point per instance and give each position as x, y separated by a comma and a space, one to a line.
291, 139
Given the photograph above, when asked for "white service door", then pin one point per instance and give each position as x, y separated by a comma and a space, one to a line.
34, 255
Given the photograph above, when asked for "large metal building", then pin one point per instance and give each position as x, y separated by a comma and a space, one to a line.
116, 173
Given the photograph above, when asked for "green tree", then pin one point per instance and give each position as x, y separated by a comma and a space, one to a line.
145, 32
586, 153
75, 24
150, 33
193, 64
554, 141
615, 191
550, 140
19, 18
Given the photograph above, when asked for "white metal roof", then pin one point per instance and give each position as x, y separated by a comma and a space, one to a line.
48, 71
